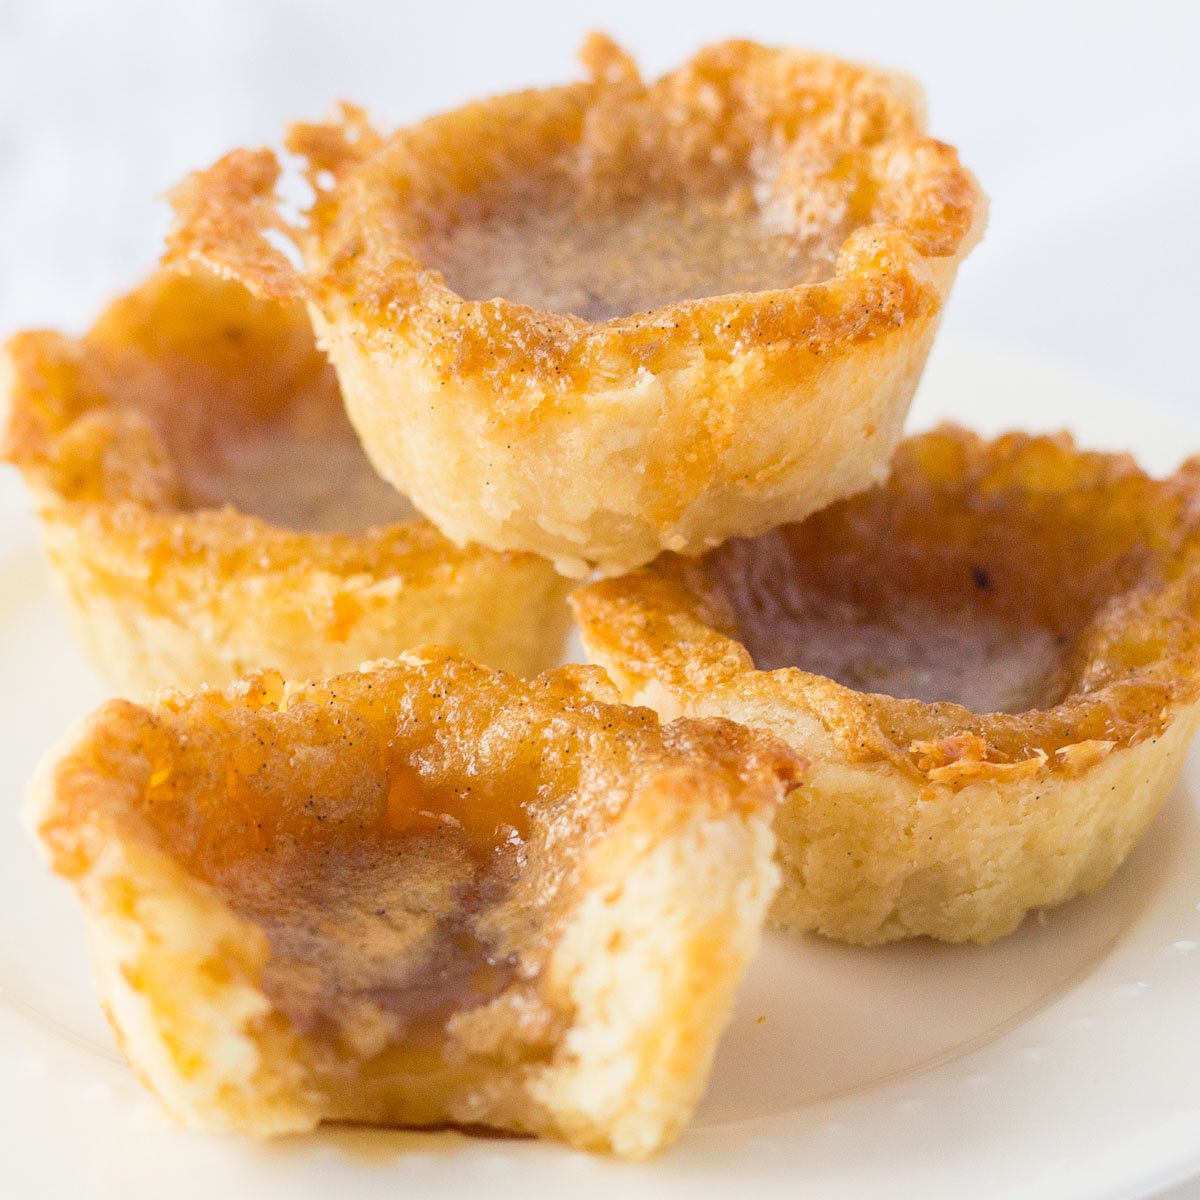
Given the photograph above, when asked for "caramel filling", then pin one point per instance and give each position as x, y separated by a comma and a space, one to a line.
400, 896
380, 950
376, 942
246, 407
877, 625
984, 663
623, 256
301, 468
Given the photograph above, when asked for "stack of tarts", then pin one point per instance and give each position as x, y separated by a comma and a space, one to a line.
664, 333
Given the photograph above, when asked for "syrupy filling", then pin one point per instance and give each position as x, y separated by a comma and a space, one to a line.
400, 896
617, 256
246, 406
378, 941
300, 468
877, 623
383, 952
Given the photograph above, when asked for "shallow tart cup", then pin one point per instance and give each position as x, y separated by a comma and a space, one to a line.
423, 893
993, 664
207, 508
603, 320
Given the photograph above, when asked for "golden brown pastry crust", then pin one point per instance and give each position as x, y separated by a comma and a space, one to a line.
1070, 585
424, 893
120, 436
604, 441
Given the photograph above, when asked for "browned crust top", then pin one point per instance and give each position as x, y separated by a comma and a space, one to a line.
208, 777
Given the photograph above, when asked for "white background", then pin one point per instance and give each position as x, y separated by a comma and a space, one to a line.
1080, 120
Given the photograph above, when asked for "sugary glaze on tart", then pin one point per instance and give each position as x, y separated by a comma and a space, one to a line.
980, 659
993, 662
421, 894
883, 614
630, 257
605, 307
208, 507
632, 215
245, 405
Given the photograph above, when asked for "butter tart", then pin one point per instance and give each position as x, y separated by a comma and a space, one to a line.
602, 320
992, 663
426, 893
208, 509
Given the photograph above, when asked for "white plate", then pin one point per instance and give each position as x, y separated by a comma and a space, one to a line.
1062, 1062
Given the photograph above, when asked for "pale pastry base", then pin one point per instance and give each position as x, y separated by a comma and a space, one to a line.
187, 624
629, 472
871, 854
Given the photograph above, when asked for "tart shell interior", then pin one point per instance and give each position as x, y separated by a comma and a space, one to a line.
246, 408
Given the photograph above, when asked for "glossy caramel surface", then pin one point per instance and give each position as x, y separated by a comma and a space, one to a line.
612, 257
962, 580
939, 642
247, 408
